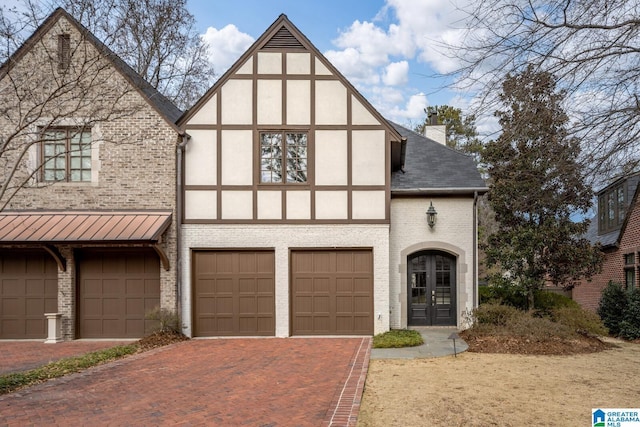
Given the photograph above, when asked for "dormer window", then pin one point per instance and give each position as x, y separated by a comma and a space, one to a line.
611, 209
64, 51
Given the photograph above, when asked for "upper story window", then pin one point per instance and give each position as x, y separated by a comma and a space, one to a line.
611, 209
64, 51
630, 267
283, 157
66, 155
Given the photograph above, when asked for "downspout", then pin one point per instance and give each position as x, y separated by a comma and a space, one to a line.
475, 249
179, 209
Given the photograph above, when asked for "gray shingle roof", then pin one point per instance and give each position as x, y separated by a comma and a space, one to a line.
430, 166
608, 239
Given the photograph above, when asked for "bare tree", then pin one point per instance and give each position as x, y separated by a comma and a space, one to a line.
157, 38
591, 46
55, 86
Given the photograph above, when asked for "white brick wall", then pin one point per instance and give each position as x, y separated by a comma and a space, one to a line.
453, 233
281, 238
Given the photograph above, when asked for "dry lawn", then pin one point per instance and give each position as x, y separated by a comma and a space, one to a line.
479, 389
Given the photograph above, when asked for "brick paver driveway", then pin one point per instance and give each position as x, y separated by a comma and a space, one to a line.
226, 382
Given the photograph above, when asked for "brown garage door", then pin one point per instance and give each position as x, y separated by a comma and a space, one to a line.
28, 290
115, 290
332, 292
233, 293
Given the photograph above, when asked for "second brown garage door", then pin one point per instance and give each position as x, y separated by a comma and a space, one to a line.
233, 293
116, 288
332, 292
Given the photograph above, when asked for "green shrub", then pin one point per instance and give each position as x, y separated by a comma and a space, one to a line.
505, 291
579, 320
397, 338
630, 324
546, 301
612, 306
539, 329
16, 380
494, 314
168, 320
504, 320
485, 294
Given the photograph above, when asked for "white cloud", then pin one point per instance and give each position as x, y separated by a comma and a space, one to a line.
396, 73
405, 38
225, 46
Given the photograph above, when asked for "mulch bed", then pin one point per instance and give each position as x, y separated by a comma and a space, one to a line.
159, 339
507, 344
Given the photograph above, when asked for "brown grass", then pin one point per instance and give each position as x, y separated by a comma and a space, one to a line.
477, 389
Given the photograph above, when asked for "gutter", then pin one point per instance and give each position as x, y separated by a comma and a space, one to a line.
475, 250
179, 209
439, 191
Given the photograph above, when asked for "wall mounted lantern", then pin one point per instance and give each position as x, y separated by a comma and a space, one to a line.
431, 215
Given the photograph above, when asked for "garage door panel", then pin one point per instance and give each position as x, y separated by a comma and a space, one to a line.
344, 262
344, 285
34, 306
224, 286
344, 324
321, 324
116, 288
12, 287
265, 264
264, 286
241, 300
303, 304
265, 304
321, 304
135, 305
223, 264
247, 285
223, 306
344, 304
12, 307
340, 300
34, 287
247, 305
363, 262
321, 262
321, 285
266, 324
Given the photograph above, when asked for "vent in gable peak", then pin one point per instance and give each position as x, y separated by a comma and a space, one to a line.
283, 39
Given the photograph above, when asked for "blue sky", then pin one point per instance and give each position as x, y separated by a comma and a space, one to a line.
386, 48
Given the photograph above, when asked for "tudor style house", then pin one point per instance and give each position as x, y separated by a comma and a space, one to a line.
90, 234
616, 228
305, 212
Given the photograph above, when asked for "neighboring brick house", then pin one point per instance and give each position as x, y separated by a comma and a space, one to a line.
305, 209
616, 228
92, 233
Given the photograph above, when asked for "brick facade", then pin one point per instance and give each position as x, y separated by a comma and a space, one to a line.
282, 238
133, 160
588, 293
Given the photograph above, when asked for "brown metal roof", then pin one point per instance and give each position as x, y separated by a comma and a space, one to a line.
76, 227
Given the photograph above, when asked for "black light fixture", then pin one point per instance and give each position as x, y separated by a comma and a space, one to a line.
431, 215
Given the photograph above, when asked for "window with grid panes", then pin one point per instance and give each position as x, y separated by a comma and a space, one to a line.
283, 157
66, 155
629, 271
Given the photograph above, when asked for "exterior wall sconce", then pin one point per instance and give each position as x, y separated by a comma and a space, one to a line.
431, 215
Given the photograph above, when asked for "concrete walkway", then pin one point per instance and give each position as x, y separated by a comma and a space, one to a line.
436, 344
